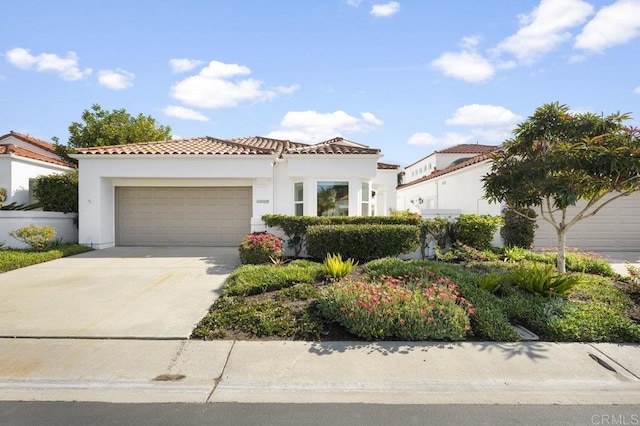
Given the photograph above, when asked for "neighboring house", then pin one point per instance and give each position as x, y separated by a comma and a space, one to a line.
448, 182
457, 188
22, 159
211, 192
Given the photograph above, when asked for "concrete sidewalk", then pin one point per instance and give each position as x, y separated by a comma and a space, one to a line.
305, 372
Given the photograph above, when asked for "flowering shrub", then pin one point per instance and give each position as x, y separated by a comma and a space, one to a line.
409, 308
260, 247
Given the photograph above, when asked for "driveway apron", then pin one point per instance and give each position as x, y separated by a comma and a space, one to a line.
121, 292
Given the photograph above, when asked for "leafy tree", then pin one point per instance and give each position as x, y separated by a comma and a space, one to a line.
116, 127
557, 158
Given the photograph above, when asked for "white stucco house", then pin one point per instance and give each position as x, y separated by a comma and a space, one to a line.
212, 192
449, 183
22, 159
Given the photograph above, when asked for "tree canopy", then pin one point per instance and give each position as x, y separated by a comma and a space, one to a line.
116, 127
558, 157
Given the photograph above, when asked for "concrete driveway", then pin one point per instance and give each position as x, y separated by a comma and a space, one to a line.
150, 292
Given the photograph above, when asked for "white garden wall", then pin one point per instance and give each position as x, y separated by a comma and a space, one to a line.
11, 220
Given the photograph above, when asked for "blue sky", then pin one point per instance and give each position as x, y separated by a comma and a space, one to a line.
407, 76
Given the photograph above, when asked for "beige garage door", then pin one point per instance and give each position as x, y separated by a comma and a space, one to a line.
614, 228
196, 216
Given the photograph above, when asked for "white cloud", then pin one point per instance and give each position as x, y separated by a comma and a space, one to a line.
184, 113
614, 24
115, 79
545, 28
184, 64
427, 139
313, 126
67, 67
467, 66
385, 10
637, 90
218, 86
354, 3
482, 115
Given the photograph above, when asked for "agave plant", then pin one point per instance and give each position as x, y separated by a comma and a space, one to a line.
336, 267
542, 280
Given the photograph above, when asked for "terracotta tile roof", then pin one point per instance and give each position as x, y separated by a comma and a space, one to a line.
387, 166
465, 148
468, 148
201, 145
21, 152
436, 173
48, 146
256, 145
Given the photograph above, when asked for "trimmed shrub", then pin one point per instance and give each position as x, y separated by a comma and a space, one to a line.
58, 192
362, 242
518, 231
248, 280
476, 230
39, 238
295, 227
260, 247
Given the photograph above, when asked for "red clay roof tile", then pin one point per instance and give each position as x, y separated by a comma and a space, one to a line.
470, 162
256, 145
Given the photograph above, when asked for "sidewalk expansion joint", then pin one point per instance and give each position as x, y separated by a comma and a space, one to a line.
217, 380
612, 360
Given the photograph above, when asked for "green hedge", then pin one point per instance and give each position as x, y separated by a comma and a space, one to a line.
477, 230
362, 242
58, 192
295, 227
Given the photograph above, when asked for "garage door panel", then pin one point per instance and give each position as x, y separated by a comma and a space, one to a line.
163, 216
615, 228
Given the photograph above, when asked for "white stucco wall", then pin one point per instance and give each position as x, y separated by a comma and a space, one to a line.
271, 181
15, 173
460, 190
11, 220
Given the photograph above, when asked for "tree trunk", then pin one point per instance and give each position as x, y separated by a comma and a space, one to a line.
560, 265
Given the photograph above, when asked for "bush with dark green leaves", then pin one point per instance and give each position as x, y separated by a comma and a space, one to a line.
476, 230
58, 192
295, 227
362, 242
519, 227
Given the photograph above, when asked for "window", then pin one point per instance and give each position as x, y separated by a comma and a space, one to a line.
298, 198
366, 196
333, 198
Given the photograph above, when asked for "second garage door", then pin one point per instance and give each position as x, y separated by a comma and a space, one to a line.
615, 228
194, 216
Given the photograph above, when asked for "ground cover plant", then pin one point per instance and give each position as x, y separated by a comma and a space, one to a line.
393, 299
14, 259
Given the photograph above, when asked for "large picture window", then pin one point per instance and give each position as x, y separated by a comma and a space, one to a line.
298, 198
333, 198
